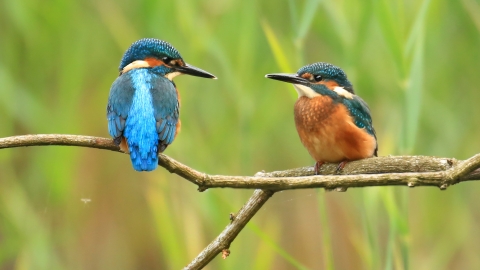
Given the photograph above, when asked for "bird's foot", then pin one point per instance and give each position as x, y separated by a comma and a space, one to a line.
317, 166
341, 166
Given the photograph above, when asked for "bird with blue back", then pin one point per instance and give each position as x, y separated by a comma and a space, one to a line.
332, 122
144, 104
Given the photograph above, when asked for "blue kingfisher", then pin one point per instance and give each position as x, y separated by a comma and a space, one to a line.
144, 105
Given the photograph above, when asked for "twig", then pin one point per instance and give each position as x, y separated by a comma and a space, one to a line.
226, 237
410, 171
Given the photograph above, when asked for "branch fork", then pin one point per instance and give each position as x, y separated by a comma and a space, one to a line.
410, 171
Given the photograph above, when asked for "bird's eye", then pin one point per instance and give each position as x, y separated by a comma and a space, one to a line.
166, 59
317, 78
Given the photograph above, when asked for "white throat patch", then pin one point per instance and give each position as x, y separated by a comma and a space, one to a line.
134, 65
172, 75
305, 91
342, 92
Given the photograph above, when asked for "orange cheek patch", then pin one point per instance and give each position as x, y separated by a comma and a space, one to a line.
330, 84
148, 62
153, 62
177, 62
307, 76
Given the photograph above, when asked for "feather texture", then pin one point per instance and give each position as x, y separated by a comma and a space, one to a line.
143, 107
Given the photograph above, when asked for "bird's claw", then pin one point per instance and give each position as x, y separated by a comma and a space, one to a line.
317, 166
340, 166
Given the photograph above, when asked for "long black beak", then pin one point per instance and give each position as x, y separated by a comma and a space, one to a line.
287, 77
194, 71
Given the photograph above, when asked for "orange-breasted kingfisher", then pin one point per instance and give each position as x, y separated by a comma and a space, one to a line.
332, 122
144, 105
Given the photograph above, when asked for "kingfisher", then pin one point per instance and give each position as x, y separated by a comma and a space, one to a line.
333, 123
144, 105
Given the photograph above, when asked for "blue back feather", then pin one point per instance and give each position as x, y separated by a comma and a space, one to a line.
360, 113
143, 108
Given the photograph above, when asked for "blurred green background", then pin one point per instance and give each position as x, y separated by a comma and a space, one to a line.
415, 62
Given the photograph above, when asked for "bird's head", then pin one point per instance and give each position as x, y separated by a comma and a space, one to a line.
317, 79
159, 56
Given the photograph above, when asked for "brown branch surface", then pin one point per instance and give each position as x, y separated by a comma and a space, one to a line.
410, 171
381, 171
58, 139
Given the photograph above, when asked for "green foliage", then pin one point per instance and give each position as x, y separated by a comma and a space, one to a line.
414, 62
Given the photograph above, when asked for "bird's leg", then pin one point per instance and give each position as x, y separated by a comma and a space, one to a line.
341, 166
124, 146
317, 166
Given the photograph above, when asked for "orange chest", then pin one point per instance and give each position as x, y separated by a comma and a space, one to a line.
328, 132
315, 114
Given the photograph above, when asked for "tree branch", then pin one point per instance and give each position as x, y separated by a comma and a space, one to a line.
58, 139
226, 237
380, 171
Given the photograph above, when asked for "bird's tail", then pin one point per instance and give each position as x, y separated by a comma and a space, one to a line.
143, 160
142, 140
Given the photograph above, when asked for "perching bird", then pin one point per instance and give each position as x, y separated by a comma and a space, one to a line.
332, 122
143, 106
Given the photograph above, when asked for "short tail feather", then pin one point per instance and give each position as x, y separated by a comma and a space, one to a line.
147, 161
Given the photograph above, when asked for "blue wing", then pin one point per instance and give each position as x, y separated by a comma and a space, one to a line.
361, 115
164, 101
143, 107
119, 103
166, 110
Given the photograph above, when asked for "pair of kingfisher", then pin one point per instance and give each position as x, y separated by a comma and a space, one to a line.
143, 108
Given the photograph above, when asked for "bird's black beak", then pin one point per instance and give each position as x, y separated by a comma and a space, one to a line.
194, 71
286, 77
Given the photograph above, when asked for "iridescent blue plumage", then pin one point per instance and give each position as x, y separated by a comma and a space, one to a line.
360, 112
148, 47
328, 71
143, 106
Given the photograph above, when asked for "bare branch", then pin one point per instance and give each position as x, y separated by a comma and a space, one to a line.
223, 241
393, 170
410, 171
58, 139
381, 171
